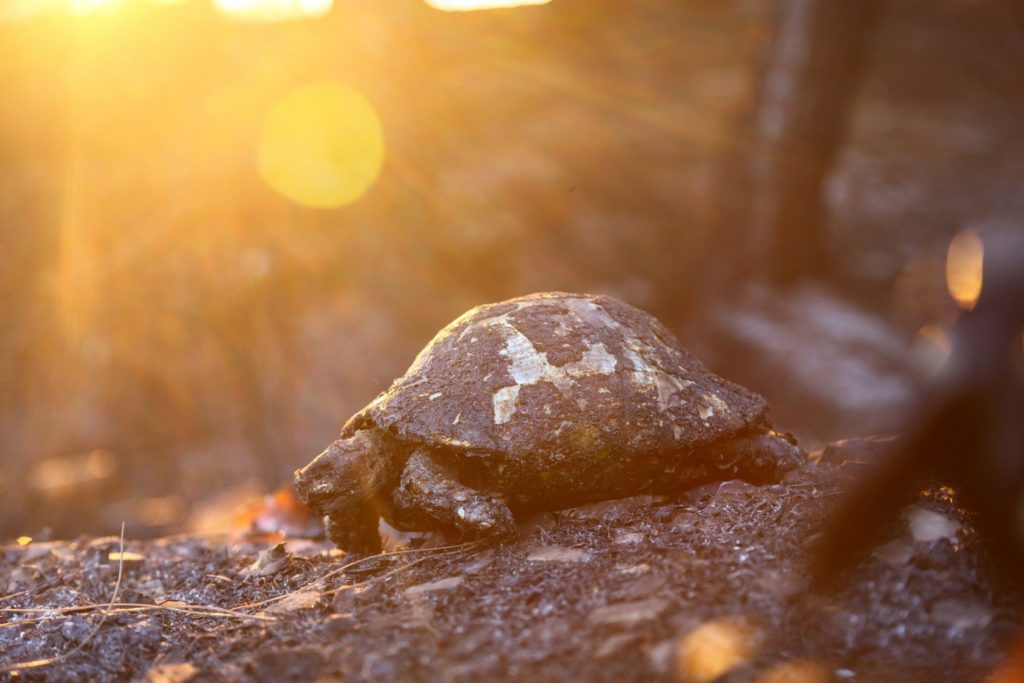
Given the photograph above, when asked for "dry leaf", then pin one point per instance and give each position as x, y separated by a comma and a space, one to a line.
555, 553
439, 585
629, 612
305, 598
269, 561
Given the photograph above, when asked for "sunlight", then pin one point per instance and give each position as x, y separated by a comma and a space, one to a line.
796, 671
322, 145
964, 263
714, 648
273, 10
470, 5
93, 6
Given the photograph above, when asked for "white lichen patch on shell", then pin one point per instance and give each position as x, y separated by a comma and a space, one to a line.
720, 406
505, 403
529, 366
715, 406
668, 387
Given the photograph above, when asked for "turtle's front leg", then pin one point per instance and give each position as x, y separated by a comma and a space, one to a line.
431, 491
348, 482
759, 458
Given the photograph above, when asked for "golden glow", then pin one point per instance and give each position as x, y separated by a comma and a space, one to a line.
63, 475
797, 671
160, 511
714, 648
322, 145
470, 5
964, 265
273, 10
93, 6
126, 556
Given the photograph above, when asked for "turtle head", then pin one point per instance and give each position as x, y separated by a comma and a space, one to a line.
350, 479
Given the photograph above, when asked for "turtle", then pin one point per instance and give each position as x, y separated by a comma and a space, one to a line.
538, 403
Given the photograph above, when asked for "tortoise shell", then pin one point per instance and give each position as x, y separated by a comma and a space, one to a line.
559, 382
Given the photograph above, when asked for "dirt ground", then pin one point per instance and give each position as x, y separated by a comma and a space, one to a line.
653, 589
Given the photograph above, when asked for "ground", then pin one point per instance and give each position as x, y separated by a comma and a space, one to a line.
642, 588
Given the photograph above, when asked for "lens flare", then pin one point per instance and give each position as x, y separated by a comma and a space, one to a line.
470, 5
93, 6
322, 145
273, 10
964, 266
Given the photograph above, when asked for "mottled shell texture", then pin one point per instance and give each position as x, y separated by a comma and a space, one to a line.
548, 379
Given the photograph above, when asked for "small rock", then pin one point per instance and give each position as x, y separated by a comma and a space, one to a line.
556, 553
629, 612
75, 629
439, 585
628, 537
927, 525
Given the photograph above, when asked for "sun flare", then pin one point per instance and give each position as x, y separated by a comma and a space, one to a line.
322, 145
273, 10
93, 6
470, 5
964, 266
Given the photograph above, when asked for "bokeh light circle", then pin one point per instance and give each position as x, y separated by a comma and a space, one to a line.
322, 145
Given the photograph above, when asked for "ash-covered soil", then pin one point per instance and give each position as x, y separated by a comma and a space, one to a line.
646, 588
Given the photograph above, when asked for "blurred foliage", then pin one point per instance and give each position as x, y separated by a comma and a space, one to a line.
165, 304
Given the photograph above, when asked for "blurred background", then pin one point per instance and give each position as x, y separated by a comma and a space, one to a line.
226, 225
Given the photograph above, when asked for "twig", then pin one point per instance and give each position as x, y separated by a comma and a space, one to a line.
447, 550
11, 596
394, 571
36, 663
121, 608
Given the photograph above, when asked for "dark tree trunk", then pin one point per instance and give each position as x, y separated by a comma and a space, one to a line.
772, 190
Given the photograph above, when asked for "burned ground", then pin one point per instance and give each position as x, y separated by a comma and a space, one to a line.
613, 591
